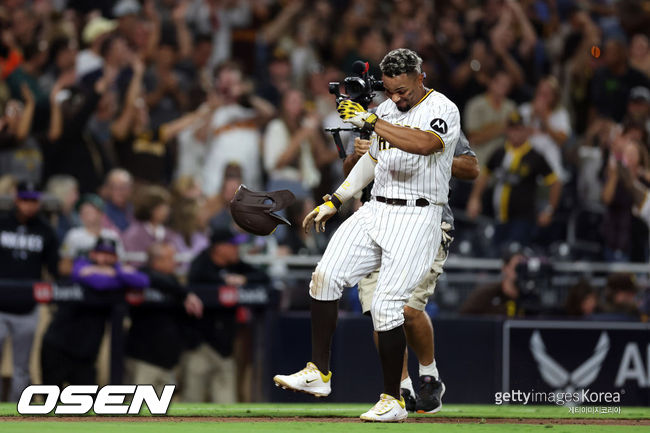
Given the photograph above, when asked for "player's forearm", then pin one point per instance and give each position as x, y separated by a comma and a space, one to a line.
479, 186
465, 167
360, 176
408, 139
554, 195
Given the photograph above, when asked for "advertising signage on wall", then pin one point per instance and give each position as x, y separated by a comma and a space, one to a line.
577, 363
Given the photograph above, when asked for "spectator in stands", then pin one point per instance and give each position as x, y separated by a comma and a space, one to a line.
118, 194
34, 57
550, 123
486, 115
142, 149
210, 366
19, 153
612, 82
621, 301
152, 210
626, 155
72, 340
155, 341
638, 108
27, 245
63, 52
500, 298
516, 168
291, 145
70, 151
80, 241
189, 233
235, 133
582, 300
167, 92
94, 34
66, 190
218, 207
640, 53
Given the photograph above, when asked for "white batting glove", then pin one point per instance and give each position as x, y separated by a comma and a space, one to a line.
319, 216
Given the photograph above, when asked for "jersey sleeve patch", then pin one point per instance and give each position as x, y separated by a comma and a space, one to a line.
439, 125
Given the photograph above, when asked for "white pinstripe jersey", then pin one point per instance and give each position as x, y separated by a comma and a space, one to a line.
403, 175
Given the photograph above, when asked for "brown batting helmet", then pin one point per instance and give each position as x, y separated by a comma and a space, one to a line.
255, 211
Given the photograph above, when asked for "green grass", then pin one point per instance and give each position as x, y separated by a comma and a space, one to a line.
311, 427
199, 424
318, 409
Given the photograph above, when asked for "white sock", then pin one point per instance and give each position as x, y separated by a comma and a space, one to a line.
407, 384
429, 370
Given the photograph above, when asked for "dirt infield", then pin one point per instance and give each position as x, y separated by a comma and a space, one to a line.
414, 420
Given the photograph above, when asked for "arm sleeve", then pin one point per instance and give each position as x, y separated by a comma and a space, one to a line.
94, 281
462, 147
360, 176
135, 279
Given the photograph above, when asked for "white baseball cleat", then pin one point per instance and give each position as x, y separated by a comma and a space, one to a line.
387, 409
309, 380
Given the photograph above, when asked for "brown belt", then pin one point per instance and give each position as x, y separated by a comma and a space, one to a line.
421, 202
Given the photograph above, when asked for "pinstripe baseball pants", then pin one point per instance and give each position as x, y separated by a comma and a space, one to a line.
402, 241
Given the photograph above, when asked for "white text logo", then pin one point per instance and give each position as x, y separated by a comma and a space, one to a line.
109, 400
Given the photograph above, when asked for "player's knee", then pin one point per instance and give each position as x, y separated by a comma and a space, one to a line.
321, 286
411, 315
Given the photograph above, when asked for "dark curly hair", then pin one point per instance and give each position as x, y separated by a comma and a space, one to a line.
401, 61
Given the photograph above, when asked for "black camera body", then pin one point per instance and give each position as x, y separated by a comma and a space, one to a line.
360, 87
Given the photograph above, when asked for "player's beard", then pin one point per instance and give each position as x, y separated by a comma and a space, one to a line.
404, 109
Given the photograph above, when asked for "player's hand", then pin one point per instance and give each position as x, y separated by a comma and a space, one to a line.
193, 305
361, 146
352, 112
473, 208
319, 216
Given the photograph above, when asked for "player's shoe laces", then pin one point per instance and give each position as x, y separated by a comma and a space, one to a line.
429, 398
309, 380
409, 399
387, 409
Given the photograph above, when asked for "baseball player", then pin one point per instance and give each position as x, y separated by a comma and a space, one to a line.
417, 324
398, 231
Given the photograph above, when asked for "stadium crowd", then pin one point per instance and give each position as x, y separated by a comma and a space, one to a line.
131, 124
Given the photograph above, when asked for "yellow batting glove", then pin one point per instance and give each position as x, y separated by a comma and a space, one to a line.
352, 112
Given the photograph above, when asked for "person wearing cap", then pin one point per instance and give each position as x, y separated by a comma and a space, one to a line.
155, 340
498, 299
515, 169
638, 108
27, 244
71, 342
93, 36
209, 364
611, 83
79, 241
621, 301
